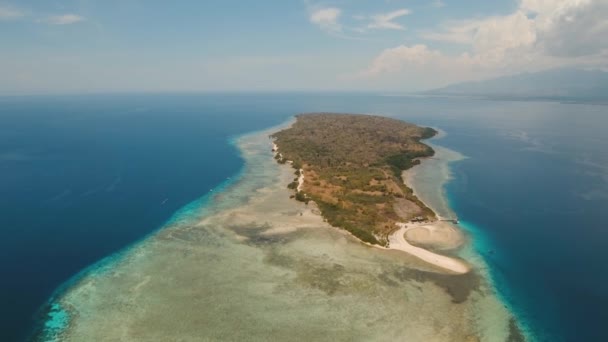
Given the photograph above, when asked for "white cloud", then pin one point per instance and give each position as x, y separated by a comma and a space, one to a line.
394, 59
419, 59
539, 34
386, 21
492, 33
65, 19
571, 28
9, 13
415, 67
460, 32
548, 6
438, 4
557, 27
327, 19
495, 37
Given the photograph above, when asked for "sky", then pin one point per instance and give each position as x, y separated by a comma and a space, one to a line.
88, 46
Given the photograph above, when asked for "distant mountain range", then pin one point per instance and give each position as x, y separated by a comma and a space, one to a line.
557, 84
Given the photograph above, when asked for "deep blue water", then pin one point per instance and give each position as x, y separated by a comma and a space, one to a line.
541, 199
82, 177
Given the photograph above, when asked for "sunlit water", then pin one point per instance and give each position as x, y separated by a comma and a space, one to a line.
531, 193
252, 264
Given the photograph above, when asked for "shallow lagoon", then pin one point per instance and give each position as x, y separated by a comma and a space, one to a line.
255, 265
531, 193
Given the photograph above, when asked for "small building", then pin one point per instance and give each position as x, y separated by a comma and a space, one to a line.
418, 219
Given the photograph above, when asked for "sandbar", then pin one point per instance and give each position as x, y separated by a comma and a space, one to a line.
398, 241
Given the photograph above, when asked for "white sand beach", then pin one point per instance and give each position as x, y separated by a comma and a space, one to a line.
256, 266
300, 180
398, 241
438, 235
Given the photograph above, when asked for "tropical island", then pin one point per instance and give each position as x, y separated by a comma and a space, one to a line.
351, 166
247, 263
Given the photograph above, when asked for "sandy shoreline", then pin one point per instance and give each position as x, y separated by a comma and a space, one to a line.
436, 233
255, 266
398, 241
439, 234
300, 180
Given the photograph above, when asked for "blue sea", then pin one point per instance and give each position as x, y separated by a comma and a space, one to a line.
83, 177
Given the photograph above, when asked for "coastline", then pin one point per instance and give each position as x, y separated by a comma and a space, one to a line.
430, 190
502, 327
441, 234
56, 318
274, 269
436, 232
428, 179
399, 241
437, 168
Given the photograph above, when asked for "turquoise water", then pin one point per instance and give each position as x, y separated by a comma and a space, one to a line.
225, 276
532, 193
84, 177
57, 318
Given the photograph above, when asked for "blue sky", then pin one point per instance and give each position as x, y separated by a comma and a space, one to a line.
88, 46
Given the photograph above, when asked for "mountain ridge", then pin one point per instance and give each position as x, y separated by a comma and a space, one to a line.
566, 84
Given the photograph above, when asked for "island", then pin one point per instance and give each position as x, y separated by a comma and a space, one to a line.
351, 165
247, 263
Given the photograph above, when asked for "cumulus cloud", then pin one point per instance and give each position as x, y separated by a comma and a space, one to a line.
438, 4
65, 19
496, 37
330, 20
539, 34
453, 32
392, 60
386, 21
557, 27
574, 28
420, 56
327, 19
501, 32
398, 66
9, 13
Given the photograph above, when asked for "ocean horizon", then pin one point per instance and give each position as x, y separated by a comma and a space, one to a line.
530, 192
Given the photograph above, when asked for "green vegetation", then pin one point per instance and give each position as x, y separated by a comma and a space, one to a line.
300, 196
352, 166
338, 217
404, 161
427, 133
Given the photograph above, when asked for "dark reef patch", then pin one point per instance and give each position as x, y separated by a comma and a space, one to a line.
254, 232
515, 334
312, 274
324, 278
192, 235
459, 287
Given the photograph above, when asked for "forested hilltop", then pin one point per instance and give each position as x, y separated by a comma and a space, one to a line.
352, 167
